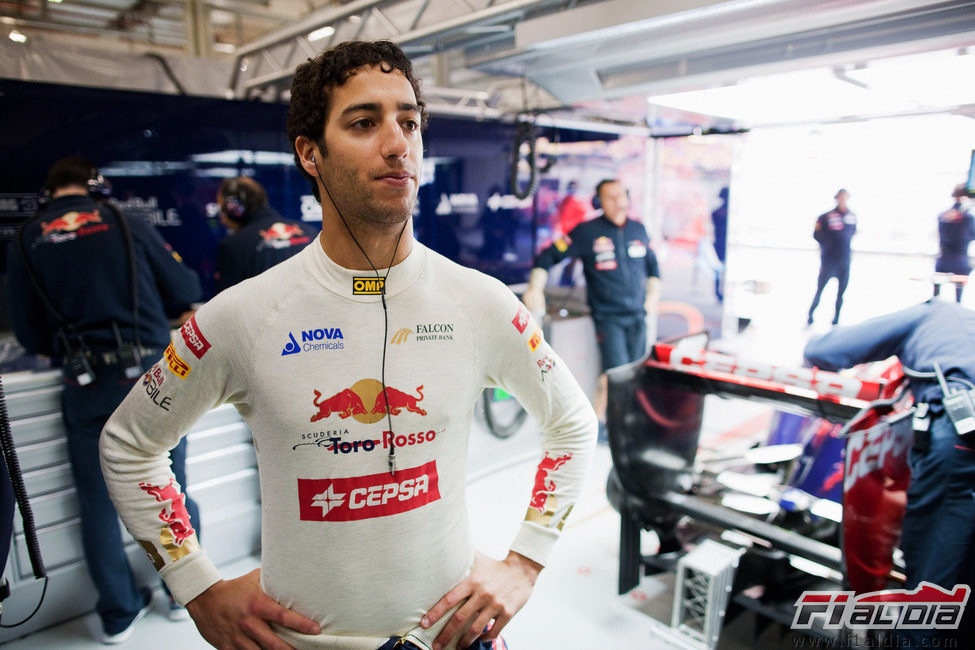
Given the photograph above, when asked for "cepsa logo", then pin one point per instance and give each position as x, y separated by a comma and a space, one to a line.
520, 321
352, 402
194, 338
927, 607
368, 497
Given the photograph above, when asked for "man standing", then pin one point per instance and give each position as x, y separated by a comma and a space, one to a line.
956, 230
833, 232
259, 236
90, 287
938, 532
357, 364
622, 282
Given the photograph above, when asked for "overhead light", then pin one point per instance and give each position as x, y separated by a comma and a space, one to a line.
17, 37
57, 2
321, 32
226, 48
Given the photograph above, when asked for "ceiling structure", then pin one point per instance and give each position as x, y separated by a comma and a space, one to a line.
592, 60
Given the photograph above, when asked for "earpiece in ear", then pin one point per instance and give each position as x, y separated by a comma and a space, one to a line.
313, 159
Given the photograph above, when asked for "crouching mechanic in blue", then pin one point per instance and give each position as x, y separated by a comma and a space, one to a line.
361, 441
622, 282
938, 534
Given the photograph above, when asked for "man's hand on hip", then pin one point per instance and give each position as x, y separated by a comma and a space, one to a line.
494, 591
236, 614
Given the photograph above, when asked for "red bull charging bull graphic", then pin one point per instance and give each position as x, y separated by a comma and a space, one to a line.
543, 504
177, 535
282, 235
366, 402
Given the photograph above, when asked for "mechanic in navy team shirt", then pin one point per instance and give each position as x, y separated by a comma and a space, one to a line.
622, 281
956, 230
833, 232
259, 236
97, 290
938, 532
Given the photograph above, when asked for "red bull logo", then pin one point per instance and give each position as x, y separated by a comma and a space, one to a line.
345, 403
352, 401
279, 230
69, 222
177, 536
367, 497
543, 487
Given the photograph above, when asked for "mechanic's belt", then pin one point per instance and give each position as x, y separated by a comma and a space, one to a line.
111, 358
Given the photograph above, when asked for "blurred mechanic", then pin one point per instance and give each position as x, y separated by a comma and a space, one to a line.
956, 230
622, 282
259, 236
833, 232
91, 287
939, 522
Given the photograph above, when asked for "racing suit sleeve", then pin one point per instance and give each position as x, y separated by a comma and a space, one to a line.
517, 358
198, 371
872, 340
28, 318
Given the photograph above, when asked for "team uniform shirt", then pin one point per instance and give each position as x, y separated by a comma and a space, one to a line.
956, 230
616, 261
299, 351
265, 240
933, 331
78, 250
833, 231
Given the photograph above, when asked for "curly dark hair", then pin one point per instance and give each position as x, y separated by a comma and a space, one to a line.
313, 81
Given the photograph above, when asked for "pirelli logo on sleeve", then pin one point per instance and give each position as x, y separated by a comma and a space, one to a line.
368, 286
179, 367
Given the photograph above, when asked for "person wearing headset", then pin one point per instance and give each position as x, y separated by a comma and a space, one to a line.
357, 364
259, 236
622, 282
938, 531
94, 289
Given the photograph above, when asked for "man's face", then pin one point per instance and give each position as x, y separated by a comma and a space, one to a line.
373, 147
615, 202
841, 199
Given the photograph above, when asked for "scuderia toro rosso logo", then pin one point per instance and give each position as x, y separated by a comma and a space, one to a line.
367, 497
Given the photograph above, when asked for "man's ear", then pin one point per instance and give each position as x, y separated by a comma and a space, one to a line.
308, 154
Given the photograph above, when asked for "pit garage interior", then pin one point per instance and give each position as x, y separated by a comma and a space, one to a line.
782, 101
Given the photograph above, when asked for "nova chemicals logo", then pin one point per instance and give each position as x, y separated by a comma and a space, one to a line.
314, 340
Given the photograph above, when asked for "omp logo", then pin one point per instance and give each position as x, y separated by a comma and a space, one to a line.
368, 286
402, 335
194, 338
928, 607
314, 340
179, 367
367, 497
